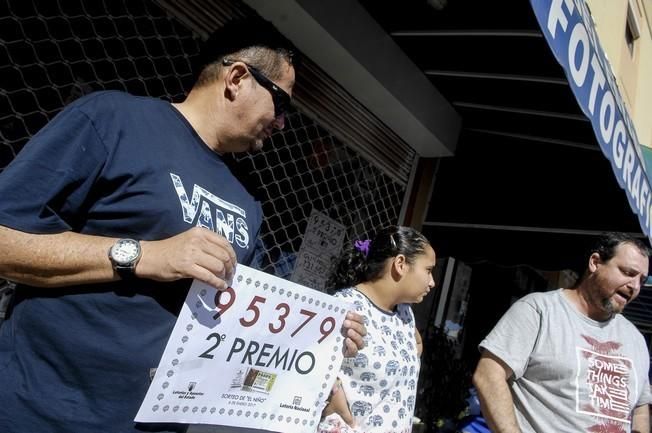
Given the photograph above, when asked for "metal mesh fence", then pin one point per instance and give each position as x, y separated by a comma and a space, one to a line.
53, 51
306, 168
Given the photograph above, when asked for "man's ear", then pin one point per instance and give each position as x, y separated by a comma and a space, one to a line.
233, 80
594, 261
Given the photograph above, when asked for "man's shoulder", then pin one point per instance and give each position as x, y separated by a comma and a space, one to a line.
540, 300
113, 100
627, 326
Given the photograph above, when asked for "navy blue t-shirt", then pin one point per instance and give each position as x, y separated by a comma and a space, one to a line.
78, 359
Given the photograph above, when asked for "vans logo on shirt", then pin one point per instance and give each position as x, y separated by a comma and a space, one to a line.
205, 209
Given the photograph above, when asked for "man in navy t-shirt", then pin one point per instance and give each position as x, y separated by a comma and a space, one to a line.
143, 180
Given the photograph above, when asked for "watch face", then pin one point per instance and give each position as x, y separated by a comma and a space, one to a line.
125, 251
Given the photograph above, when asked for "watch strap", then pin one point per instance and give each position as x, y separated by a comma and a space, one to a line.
125, 272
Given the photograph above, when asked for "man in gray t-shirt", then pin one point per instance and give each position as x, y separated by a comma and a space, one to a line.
566, 361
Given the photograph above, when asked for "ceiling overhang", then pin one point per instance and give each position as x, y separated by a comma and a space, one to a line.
350, 46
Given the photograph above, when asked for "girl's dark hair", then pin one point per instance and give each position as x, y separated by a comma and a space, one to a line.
355, 267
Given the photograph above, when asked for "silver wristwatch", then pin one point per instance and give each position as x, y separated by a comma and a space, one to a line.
124, 256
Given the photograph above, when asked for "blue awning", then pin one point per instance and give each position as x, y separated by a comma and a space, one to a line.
569, 29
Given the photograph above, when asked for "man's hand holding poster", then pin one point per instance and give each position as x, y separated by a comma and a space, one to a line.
263, 354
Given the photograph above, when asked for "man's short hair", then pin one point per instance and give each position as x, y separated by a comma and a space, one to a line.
252, 40
606, 245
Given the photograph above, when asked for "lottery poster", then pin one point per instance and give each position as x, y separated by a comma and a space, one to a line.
263, 354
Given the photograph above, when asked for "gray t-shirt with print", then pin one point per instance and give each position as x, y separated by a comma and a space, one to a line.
571, 373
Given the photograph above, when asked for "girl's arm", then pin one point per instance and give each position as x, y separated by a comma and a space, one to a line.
339, 405
419, 342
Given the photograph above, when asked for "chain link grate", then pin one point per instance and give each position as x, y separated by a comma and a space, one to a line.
54, 51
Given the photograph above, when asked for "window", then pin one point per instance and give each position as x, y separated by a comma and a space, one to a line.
632, 29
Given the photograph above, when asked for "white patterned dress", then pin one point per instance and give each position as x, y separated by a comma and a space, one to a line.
380, 383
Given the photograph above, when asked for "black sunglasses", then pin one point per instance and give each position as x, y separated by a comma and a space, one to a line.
280, 98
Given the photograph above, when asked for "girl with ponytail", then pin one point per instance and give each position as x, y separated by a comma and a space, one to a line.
376, 390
